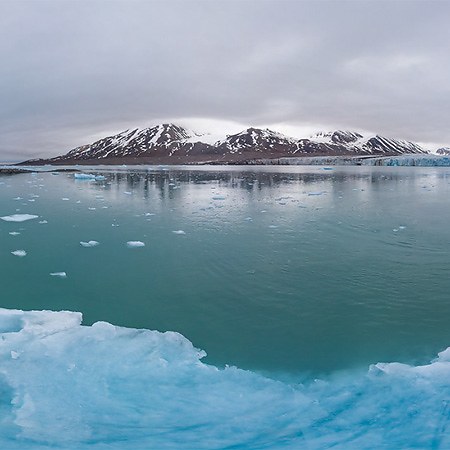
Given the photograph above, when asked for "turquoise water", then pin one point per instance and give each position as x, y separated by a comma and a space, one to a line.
296, 281
299, 271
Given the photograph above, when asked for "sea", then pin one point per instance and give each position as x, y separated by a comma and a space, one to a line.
225, 307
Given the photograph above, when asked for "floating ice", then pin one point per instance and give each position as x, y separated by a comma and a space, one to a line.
20, 253
43, 221
65, 199
59, 274
219, 197
84, 176
89, 243
133, 244
316, 193
19, 217
68, 386
178, 232
14, 233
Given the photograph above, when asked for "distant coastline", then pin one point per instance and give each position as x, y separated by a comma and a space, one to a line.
411, 160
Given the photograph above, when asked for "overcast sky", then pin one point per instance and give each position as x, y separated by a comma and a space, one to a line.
75, 71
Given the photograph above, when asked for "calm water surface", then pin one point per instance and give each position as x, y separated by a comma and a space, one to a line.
290, 270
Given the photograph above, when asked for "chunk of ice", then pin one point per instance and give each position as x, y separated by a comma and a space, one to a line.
20, 253
178, 232
89, 243
134, 244
84, 176
59, 274
19, 217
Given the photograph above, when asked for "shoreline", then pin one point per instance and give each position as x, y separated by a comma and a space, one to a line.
428, 160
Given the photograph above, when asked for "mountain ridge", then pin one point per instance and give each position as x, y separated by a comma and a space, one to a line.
170, 143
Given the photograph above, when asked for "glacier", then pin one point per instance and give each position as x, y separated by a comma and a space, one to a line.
64, 385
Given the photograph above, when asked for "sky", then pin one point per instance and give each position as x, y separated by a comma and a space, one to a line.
72, 72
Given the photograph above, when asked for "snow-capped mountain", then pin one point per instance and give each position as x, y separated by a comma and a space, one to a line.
167, 143
359, 144
258, 140
164, 139
445, 151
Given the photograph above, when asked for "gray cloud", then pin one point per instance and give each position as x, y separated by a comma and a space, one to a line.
72, 69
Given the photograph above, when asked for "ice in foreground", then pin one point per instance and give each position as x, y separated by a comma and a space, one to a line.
68, 386
19, 217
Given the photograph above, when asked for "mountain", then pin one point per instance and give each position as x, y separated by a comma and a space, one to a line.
169, 143
445, 151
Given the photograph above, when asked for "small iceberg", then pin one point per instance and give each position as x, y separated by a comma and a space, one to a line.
19, 253
14, 233
89, 176
84, 176
135, 244
89, 243
19, 217
178, 232
59, 274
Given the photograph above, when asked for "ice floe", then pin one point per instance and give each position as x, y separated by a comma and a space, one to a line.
134, 244
20, 253
19, 217
59, 274
89, 243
